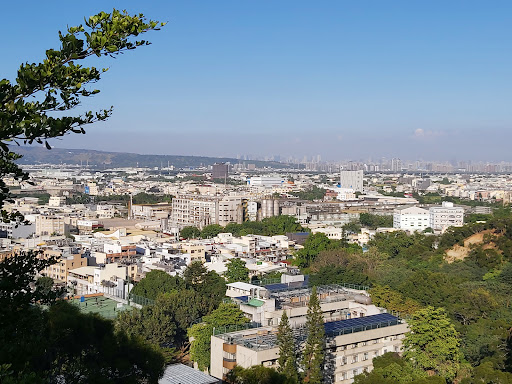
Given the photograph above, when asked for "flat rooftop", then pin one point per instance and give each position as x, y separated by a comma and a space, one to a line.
266, 337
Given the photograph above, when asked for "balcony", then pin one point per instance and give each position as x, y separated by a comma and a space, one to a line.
229, 363
229, 348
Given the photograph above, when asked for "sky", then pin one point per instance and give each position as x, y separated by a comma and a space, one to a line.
341, 79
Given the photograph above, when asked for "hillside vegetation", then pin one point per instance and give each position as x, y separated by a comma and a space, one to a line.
409, 273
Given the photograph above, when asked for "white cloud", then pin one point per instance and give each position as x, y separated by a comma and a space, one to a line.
419, 133
422, 134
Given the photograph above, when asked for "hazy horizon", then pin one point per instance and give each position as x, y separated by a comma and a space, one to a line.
340, 79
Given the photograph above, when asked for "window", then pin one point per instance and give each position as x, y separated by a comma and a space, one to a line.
355, 372
365, 356
355, 359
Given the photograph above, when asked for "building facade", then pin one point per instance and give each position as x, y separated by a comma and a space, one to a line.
350, 347
411, 219
47, 225
200, 211
220, 171
446, 216
352, 180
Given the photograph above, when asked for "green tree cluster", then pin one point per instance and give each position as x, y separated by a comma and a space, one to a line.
190, 232
179, 303
432, 344
61, 344
411, 274
224, 315
313, 354
311, 194
33, 108
257, 374
236, 271
287, 350
375, 221
270, 226
314, 245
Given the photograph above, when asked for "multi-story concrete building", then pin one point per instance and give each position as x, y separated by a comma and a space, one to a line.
265, 181
59, 271
151, 211
356, 330
220, 171
56, 201
352, 180
50, 224
446, 216
200, 211
86, 227
108, 278
350, 347
411, 219
396, 165
6, 230
116, 251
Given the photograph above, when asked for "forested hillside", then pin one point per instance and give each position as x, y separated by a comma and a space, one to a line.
413, 275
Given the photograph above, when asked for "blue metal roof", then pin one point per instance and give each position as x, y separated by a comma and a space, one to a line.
243, 299
358, 324
276, 287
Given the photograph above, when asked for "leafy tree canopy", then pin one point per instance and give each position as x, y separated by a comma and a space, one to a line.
224, 315
33, 108
257, 374
237, 271
190, 232
433, 343
155, 283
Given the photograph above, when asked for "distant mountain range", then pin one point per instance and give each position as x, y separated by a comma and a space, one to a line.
101, 159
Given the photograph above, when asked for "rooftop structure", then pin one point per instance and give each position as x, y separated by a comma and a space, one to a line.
351, 345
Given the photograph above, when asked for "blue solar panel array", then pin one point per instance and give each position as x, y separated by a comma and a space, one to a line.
360, 324
276, 287
243, 299
284, 287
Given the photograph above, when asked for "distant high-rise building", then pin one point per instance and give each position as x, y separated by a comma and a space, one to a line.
220, 171
396, 165
352, 180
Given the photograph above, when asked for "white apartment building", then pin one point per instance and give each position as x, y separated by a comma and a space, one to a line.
345, 194
356, 331
105, 211
56, 201
151, 211
265, 181
200, 211
107, 278
352, 180
411, 219
446, 216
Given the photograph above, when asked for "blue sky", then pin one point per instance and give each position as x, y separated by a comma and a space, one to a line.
343, 79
